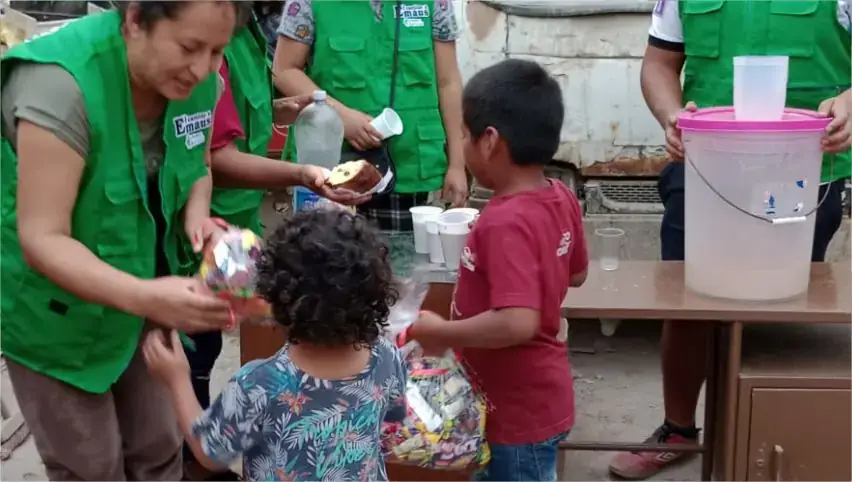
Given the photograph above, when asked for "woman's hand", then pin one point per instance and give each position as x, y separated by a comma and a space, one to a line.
315, 177
165, 358
358, 131
204, 231
455, 187
838, 134
286, 109
182, 304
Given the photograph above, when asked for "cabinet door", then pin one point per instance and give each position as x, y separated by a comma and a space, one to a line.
800, 434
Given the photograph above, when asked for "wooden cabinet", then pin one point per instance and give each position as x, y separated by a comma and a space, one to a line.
794, 415
799, 434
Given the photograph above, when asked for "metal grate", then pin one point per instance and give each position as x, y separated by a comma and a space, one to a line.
628, 197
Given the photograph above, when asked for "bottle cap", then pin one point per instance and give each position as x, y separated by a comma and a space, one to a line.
319, 95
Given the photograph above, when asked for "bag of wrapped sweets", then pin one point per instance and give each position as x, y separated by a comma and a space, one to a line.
229, 270
445, 423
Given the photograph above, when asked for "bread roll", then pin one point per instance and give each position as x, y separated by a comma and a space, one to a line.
357, 176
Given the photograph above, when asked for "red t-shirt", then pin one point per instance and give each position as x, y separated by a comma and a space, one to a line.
226, 119
521, 253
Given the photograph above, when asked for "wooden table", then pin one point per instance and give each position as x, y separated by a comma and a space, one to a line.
656, 290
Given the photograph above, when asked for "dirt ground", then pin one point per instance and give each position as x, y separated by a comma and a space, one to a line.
618, 398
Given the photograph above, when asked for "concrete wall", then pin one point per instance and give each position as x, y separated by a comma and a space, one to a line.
596, 60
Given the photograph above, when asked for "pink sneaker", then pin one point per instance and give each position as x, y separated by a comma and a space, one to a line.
641, 465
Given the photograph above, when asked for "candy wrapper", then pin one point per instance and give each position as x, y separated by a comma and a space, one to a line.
229, 270
445, 424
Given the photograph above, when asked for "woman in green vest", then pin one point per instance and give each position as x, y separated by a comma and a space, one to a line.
701, 37
347, 49
105, 132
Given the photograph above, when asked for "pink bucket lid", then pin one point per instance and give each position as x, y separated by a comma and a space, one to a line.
722, 119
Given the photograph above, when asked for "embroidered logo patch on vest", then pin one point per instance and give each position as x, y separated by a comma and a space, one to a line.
413, 15
192, 126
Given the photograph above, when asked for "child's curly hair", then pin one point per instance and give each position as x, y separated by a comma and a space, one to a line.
327, 275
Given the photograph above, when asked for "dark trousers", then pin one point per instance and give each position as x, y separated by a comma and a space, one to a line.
208, 346
671, 188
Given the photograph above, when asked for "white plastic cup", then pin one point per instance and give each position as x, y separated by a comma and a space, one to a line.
387, 123
419, 214
472, 211
609, 240
453, 228
760, 87
436, 252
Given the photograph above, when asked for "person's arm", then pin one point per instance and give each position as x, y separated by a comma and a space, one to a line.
397, 408
578, 265
49, 173
44, 107
444, 33
663, 62
232, 168
235, 169
515, 295
219, 435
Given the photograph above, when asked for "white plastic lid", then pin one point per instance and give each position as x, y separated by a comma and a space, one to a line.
319, 95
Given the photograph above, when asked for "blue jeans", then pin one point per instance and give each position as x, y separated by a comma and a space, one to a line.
529, 462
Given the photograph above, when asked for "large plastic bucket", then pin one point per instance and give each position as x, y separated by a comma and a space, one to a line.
751, 198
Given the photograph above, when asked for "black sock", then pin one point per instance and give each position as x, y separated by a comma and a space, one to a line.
690, 432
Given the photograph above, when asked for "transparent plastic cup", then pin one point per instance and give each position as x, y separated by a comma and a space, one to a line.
760, 87
453, 229
609, 241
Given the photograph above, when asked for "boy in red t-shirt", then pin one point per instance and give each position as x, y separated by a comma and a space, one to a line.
525, 250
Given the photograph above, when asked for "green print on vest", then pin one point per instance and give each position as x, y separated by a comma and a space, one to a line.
352, 60
45, 327
251, 86
820, 49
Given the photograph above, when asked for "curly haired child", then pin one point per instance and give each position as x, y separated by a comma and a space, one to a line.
313, 410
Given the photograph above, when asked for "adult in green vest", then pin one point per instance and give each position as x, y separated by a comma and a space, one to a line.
104, 165
701, 37
346, 48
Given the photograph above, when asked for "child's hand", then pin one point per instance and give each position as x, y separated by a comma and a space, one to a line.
427, 330
165, 358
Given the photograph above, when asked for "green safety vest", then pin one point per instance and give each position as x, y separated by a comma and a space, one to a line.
352, 60
716, 31
45, 327
251, 86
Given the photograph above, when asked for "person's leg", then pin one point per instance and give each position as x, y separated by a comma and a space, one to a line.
76, 433
828, 218
683, 351
529, 462
208, 346
149, 427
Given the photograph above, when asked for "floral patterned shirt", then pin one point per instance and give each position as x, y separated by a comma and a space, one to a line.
288, 425
297, 20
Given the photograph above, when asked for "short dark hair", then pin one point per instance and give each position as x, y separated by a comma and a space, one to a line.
522, 102
327, 275
151, 12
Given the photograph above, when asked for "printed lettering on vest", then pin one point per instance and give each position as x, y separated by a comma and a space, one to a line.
413, 11
192, 126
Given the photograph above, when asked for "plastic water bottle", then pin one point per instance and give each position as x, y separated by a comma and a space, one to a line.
318, 132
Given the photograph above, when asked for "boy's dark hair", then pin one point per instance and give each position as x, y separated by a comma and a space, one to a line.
522, 102
327, 275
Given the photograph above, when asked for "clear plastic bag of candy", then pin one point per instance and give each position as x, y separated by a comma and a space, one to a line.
229, 270
445, 423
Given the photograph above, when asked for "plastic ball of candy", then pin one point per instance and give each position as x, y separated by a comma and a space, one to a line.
229, 270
